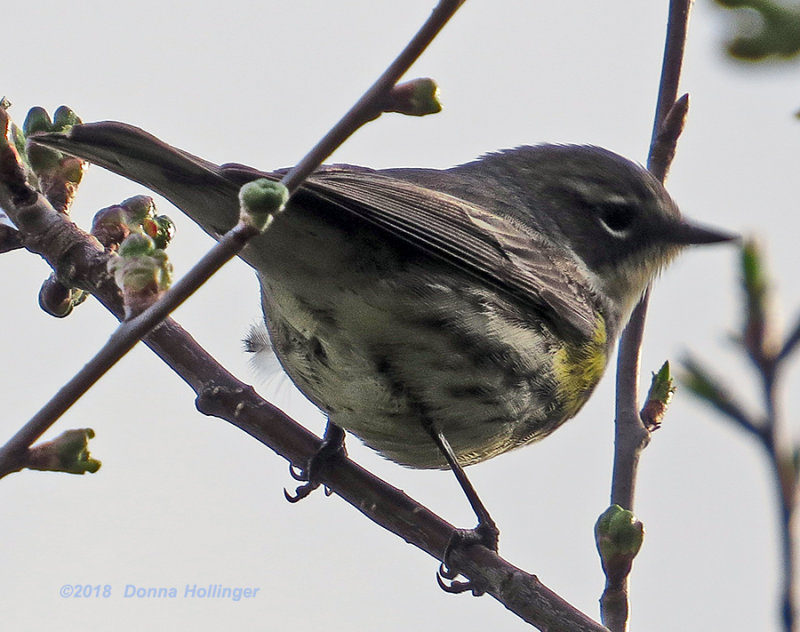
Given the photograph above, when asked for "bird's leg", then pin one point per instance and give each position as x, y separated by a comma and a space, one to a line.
332, 447
485, 533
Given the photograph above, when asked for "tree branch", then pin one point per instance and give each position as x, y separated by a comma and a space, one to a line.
631, 436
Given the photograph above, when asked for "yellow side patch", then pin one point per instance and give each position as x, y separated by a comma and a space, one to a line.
578, 368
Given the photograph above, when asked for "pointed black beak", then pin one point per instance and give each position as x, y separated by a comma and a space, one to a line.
687, 234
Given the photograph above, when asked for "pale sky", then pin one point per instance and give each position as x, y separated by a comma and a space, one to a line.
184, 499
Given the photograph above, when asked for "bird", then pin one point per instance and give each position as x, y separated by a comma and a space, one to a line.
442, 316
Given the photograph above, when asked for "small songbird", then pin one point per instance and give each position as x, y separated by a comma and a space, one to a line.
442, 316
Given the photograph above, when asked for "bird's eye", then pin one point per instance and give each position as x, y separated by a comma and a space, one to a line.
616, 217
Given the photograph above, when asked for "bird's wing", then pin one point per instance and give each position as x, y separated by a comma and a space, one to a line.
494, 248
491, 247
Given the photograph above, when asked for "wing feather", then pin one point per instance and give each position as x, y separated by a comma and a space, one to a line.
496, 249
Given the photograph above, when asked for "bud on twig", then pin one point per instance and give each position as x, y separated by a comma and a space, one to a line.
760, 336
113, 224
57, 299
260, 200
619, 536
58, 175
418, 97
69, 452
141, 271
659, 397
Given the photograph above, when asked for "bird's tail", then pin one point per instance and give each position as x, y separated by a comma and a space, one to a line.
204, 191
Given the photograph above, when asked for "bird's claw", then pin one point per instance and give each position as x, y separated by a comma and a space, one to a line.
297, 473
301, 491
308, 486
445, 577
332, 447
485, 534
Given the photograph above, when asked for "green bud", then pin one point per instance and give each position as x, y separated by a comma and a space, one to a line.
418, 97
69, 452
760, 336
147, 273
37, 120
137, 208
113, 224
260, 200
74, 452
618, 536
64, 118
162, 229
141, 271
136, 244
618, 532
57, 175
662, 388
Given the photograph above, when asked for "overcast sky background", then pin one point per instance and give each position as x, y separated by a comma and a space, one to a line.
184, 499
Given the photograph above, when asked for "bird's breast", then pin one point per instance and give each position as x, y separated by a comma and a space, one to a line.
381, 336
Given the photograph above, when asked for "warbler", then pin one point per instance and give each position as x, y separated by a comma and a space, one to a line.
478, 303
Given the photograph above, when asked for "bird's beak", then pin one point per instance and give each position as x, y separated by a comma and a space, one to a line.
687, 234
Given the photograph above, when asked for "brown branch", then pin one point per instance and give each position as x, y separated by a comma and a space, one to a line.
631, 436
392, 509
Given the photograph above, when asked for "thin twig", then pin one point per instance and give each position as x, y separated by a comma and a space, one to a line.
781, 454
709, 388
365, 108
672, 62
768, 429
631, 436
630, 432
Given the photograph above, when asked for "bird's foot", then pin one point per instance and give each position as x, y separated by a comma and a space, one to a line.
485, 534
332, 448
